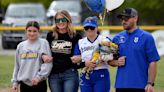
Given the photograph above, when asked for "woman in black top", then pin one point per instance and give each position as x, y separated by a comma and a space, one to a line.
62, 40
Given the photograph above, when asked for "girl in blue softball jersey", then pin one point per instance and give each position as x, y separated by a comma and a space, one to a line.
99, 80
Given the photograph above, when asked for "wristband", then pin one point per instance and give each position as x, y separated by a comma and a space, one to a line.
151, 83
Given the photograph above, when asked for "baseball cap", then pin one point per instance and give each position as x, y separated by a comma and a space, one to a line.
91, 21
129, 12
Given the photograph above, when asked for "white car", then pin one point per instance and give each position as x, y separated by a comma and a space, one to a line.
18, 14
72, 6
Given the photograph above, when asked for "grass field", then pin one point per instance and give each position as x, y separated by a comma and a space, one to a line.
7, 63
6, 69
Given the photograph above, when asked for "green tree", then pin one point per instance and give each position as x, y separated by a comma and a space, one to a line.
150, 11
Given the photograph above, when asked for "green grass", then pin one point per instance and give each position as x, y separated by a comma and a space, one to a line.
160, 75
7, 64
6, 69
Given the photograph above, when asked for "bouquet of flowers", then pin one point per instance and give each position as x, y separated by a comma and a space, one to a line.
105, 52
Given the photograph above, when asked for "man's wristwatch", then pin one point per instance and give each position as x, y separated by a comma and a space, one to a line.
151, 83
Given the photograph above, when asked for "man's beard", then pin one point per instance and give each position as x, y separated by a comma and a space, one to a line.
127, 26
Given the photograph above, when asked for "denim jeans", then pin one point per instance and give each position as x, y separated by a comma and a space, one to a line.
67, 81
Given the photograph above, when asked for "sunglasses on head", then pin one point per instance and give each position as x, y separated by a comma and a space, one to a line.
89, 27
57, 20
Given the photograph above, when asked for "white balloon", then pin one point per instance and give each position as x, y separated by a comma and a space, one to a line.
113, 4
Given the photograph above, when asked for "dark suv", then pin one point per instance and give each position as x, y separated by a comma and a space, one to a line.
1, 14
18, 15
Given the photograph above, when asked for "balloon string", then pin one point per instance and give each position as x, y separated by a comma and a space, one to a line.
102, 17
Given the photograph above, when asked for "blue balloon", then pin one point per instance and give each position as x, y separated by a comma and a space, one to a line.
96, 5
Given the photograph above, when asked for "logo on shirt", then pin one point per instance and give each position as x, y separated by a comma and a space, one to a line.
29, 55
61, 46
122, 39
136, 39
87, 48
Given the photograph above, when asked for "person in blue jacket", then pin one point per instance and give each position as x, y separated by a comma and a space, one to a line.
138, 46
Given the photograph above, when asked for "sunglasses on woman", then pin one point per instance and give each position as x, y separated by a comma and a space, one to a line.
57, 20
89, 27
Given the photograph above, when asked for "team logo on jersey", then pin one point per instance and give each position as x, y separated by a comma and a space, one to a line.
136, 39
122, 39
87, 48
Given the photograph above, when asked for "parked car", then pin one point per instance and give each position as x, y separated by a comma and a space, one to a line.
19, 15
1, 15
74, 7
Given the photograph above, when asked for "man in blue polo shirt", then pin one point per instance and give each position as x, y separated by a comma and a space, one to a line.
138, 46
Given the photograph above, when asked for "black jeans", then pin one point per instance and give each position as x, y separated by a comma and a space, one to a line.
129, 90
41, 87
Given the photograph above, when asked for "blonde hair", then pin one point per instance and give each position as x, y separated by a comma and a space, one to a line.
70, 29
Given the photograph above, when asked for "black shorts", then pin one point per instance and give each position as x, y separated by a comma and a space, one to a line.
41, 87
129, 90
